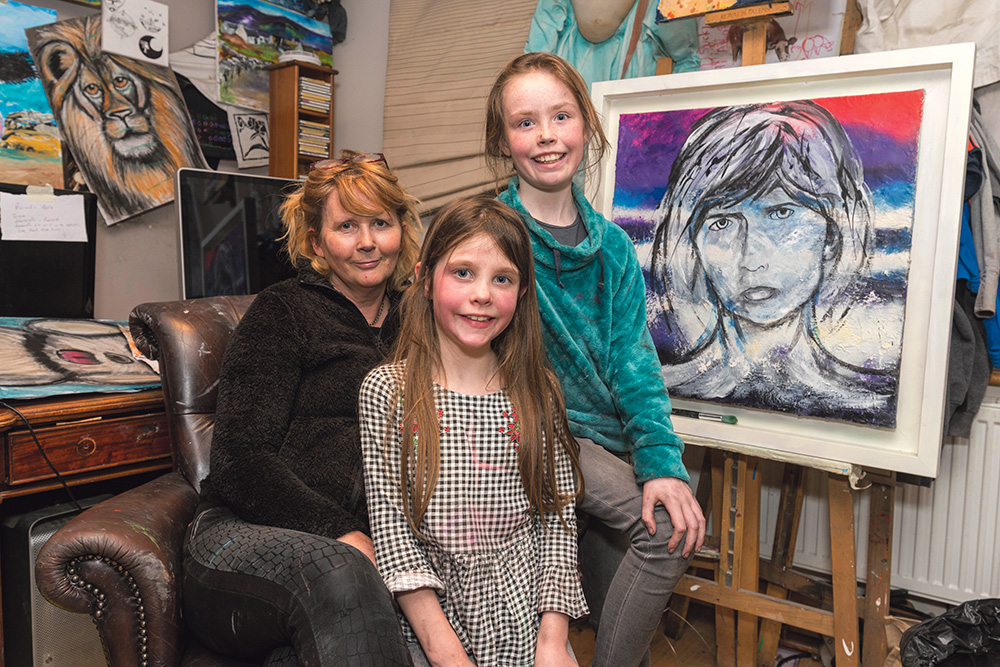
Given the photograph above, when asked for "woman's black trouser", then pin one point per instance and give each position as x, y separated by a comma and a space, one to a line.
252, 591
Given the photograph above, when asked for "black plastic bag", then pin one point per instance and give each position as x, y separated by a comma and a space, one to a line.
968, 634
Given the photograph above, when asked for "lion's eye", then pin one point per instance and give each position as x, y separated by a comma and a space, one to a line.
121, 82
92, 89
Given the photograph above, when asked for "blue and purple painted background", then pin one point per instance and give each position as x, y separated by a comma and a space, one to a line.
884, 130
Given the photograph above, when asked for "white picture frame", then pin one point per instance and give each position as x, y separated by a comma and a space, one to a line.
945, 74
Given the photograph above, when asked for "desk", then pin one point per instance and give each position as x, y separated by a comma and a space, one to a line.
87, 437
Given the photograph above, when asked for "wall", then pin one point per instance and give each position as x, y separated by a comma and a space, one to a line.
137, 260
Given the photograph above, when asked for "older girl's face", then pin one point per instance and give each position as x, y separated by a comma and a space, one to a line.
764, 258
361, 250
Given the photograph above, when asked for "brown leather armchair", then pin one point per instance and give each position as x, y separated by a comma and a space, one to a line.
120, 561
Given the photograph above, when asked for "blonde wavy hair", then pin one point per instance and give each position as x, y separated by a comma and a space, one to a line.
364, 188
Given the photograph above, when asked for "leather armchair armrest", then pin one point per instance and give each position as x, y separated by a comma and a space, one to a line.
119, 561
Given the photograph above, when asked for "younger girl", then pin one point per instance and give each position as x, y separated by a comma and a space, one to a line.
593, 308
470, 470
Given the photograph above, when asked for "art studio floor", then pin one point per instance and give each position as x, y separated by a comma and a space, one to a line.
695, 648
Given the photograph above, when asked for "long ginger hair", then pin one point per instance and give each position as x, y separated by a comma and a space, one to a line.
522, 366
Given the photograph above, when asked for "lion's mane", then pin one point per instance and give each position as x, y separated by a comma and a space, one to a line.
124, 121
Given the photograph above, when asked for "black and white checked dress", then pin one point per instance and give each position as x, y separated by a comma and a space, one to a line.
495, 567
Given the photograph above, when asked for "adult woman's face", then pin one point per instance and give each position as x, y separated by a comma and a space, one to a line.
361, 250
763, 258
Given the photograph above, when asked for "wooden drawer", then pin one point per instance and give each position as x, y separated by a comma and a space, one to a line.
87, 446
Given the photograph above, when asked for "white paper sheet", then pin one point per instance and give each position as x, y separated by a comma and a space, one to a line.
27, 218
136, 29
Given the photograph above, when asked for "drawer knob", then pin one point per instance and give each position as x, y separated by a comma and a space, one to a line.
86, 446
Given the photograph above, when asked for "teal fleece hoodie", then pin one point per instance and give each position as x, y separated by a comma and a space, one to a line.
593, 305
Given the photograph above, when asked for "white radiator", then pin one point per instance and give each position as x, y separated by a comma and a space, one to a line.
946, 543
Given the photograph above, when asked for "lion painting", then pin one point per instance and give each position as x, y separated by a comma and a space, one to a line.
124, 121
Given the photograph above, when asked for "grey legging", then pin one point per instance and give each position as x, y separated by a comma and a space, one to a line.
253, 591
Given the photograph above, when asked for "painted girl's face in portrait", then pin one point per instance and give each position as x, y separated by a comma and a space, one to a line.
764, 257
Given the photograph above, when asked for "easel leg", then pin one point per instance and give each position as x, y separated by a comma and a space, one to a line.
845, 595
754, 43
748, 563
723, 497
785, 536
879, 567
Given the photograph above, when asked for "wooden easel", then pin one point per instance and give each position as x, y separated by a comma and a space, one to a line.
736, 493
735, 592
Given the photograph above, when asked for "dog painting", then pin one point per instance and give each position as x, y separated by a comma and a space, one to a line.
125, 122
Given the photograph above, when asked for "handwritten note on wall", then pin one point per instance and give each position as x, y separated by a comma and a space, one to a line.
28, 218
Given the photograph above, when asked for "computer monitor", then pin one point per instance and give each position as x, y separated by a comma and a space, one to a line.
229, 231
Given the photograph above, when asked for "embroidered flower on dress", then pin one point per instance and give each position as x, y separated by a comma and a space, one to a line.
512, 429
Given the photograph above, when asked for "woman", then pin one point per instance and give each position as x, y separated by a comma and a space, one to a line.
280, 553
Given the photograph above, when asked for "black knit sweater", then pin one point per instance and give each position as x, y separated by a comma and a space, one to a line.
286, 448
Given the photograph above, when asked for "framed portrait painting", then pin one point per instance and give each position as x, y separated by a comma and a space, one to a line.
798, 226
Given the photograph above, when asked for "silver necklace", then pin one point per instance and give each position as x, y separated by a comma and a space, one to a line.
381, 307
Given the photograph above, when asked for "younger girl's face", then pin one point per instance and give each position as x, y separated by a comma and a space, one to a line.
474, 290
544, 131
764, 257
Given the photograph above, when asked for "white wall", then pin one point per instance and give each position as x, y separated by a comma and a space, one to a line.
137, 260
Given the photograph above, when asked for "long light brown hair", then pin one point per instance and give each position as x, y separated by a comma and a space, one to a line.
522, 365
597, 146
364, 188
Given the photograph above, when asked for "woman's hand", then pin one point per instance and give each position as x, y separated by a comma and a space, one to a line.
553, 636
361, 542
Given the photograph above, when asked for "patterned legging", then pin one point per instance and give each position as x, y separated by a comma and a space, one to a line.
293, 598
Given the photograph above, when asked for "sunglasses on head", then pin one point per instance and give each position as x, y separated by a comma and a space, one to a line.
370, 158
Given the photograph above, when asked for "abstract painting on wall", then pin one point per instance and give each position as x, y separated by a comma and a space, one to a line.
30, 149
124, 121
778, 238
252, 34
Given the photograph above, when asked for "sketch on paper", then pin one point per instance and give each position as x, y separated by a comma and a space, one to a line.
250, 138
777, 243
136, 29
30, 149
124, 121
48, 356
252, 34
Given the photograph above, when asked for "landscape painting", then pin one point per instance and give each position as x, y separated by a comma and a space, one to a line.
252, 34
30, 148
776, 242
